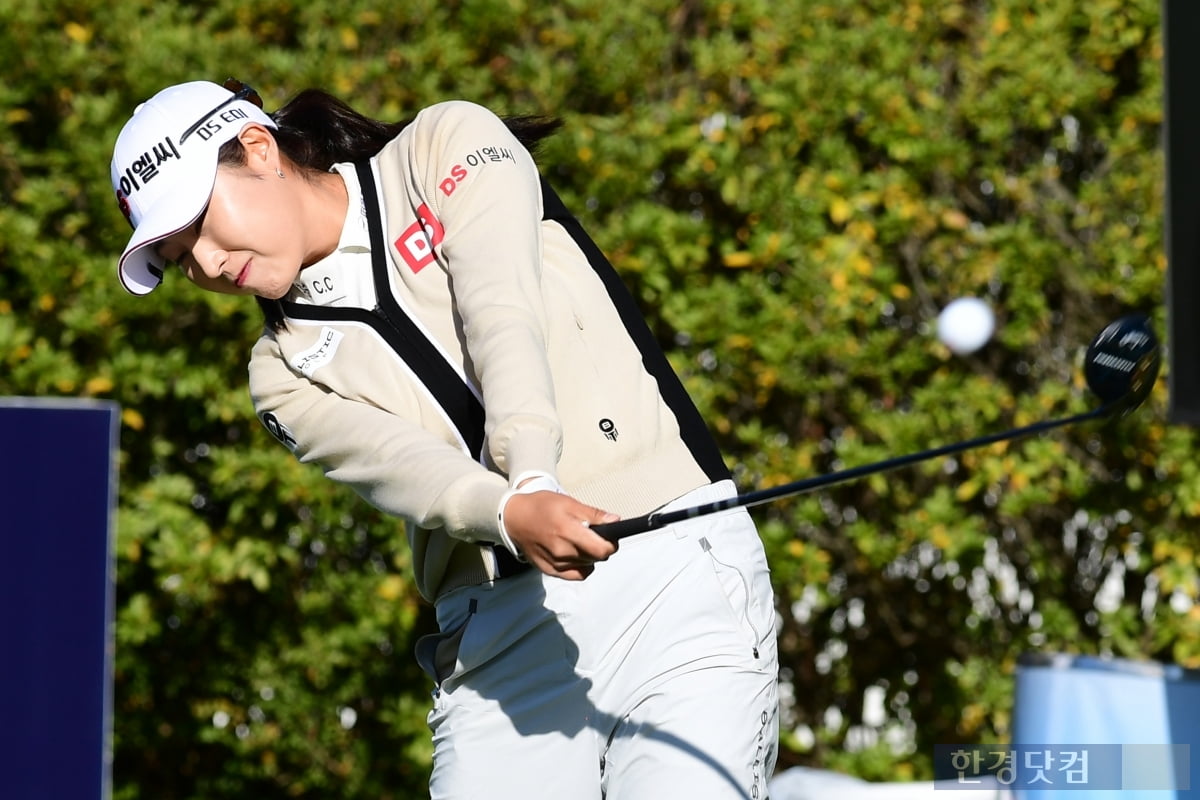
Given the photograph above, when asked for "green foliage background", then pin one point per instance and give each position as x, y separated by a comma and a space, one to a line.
793, 190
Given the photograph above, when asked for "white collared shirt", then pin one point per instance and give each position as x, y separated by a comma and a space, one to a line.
342, 278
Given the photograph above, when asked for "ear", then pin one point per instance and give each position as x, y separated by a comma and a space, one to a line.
262, 151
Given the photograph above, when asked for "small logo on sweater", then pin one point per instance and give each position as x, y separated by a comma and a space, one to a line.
609, 429
309, 361
319, 288
278, 429
417, 241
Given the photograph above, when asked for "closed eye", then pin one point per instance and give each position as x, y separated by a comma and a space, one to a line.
172, 253
170, 259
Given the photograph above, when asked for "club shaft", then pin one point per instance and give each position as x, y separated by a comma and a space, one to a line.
627, 527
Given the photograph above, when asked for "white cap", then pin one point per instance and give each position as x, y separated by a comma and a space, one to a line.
164, 165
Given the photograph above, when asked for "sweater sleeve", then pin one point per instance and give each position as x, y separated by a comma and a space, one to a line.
484, 189
392, 463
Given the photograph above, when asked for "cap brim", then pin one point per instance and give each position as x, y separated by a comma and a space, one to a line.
140, 268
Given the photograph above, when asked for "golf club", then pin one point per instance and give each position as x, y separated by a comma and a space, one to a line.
1120, 368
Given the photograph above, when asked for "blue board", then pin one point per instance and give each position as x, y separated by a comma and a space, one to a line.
57, 499
1150, 711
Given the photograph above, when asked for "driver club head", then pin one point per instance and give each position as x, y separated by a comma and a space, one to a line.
1122, 363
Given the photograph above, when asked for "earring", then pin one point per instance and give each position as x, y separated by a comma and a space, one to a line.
279, 172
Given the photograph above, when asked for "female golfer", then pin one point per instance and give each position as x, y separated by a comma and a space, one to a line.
442, 336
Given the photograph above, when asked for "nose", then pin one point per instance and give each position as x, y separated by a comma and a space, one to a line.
211, 260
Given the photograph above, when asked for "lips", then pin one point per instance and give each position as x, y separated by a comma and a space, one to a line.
241, 278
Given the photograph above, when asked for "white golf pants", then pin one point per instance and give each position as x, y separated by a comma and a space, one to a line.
653, 678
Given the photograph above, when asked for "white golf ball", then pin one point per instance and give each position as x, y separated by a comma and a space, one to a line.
965, 325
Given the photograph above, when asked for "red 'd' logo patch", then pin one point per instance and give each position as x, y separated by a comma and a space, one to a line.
418, 240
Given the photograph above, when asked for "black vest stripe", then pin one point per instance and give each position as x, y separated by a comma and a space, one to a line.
457, 400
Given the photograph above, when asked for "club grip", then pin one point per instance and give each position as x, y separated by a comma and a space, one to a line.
623, 527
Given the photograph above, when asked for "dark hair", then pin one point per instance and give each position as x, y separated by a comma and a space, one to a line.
317, 130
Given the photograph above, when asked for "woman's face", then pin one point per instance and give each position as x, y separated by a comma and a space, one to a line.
253, 237
246, 241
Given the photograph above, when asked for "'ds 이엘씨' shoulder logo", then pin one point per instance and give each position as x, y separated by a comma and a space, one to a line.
474, 160
417, 241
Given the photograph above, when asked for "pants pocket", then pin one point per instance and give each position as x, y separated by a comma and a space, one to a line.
741, 573
736, 593
437, 653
